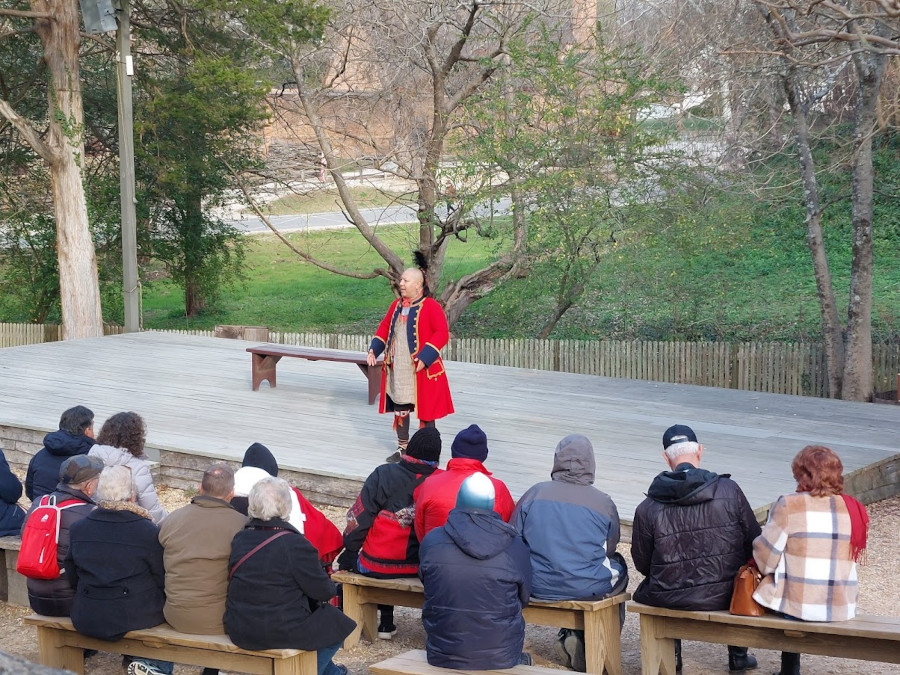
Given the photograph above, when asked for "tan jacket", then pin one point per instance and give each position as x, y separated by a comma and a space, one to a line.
196, 542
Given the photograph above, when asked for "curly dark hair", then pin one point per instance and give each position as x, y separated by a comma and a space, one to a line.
124, 430
818, 471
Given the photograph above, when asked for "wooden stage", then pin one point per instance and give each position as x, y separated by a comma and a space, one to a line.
195, 394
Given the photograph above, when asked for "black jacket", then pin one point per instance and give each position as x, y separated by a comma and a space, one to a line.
115, 563
11, 515
477, 576
43, 469
53, 597
278, 597
690, 536
380, 522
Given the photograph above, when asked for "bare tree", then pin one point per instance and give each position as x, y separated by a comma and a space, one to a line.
60, 144
819, 44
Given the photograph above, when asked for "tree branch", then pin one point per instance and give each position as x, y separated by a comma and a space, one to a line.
29, 133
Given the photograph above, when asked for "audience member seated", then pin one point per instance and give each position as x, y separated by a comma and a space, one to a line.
438, 494
75, 437
278, 592
477, 578
810, 545
11, 514
259, 462
691, 514
379, 539
196, 541
121, 442
572, 530
115, 564
78, 479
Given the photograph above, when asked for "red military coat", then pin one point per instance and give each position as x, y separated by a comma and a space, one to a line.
427, 333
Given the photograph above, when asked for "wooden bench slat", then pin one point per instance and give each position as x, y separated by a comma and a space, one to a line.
265, 358
867, 638
61, 646
415, 662
599, 619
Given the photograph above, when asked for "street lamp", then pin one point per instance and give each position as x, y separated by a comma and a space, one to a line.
101, 17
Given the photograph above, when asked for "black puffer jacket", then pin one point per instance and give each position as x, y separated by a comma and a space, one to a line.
11, 516
690, 536
43, 469
53, 597
477, 576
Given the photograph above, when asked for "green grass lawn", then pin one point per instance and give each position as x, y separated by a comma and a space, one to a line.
323, 201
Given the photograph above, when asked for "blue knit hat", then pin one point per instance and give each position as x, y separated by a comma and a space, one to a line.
470, 443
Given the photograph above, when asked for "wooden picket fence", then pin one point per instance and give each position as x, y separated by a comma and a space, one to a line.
776, 367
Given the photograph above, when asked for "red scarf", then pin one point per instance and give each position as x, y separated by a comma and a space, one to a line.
859, 526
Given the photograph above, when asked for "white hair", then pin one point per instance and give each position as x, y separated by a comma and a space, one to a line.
677, 450
270, 498
116, 484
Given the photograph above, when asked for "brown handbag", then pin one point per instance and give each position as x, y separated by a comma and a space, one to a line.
745, 583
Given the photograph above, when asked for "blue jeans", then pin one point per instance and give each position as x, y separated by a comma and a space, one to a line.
324, 664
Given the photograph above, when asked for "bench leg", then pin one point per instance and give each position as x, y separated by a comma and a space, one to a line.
302, 664
657, 653
373, 374
263, 368
603, 641
53, 652
365, 614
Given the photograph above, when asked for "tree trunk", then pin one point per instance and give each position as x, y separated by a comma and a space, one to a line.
78, 283
831, 323
858, 384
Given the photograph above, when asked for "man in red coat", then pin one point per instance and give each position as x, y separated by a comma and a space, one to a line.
411, 335
437, 496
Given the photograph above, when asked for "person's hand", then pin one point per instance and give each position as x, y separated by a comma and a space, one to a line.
420, 365
370, 358
347, 560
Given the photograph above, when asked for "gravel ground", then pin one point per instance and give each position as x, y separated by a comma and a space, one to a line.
879, 594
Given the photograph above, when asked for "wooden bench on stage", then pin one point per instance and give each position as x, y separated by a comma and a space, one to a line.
12, 584
61, 646
415, 663
266, 357
599, 619
870, 638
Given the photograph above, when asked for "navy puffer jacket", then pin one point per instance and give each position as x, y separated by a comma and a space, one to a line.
43, 469
690, 536
11, 516
477, 577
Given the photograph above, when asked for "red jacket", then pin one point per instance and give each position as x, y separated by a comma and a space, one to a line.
427, 334
437, 496
319, 531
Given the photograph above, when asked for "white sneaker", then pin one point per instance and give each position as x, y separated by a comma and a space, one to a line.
143, 668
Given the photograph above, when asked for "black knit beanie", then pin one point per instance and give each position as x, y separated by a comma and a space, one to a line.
425, 444
261, 457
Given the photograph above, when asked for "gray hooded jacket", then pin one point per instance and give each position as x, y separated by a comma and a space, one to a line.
572, 529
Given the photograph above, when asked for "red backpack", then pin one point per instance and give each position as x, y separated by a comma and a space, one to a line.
40, 538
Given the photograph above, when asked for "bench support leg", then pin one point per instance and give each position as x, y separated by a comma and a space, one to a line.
53, 652
263, 368
302, 664
657, 653
373, 374
364, 613
602, 641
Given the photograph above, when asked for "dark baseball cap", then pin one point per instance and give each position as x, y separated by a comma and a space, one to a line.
79, 468
678, 433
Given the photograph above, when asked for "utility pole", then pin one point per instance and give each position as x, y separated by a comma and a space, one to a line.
124, 72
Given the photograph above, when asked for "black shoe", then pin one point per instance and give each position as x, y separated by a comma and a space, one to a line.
738, 664
790, 664
386, 631
525, 659
677, 656
396, 457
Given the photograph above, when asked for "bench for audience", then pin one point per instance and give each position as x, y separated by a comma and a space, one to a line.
599, 619
415, 663
61, 646
266, 357
870, 638
12, 584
